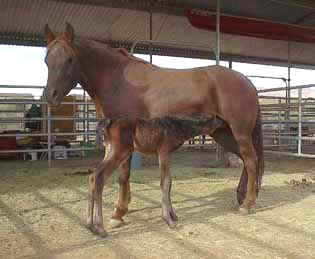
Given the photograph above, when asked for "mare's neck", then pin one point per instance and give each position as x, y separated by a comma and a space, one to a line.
98, 63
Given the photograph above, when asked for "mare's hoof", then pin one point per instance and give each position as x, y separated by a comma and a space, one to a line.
98, 231
116, 223
90, 227
174, 217
240, 197
101, 233
172, 224
240, 200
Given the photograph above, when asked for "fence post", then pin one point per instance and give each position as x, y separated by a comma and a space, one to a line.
279, 129
300, 123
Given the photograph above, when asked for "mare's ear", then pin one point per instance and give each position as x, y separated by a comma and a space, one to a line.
69, 33
49, 35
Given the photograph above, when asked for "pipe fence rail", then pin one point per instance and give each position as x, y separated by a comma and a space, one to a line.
47, 140
288, 126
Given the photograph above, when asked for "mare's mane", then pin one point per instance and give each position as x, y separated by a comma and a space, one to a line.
126, 54
100, 43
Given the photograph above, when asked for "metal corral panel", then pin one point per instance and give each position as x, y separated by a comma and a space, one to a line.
64, 111
13, 110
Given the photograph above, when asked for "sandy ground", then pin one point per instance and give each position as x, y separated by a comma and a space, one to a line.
42, 212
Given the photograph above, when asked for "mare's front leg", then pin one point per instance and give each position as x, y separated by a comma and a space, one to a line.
168, 213
124, 199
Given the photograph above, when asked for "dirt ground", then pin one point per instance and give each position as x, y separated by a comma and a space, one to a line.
42, 212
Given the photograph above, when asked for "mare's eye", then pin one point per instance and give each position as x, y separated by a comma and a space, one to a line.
70, 60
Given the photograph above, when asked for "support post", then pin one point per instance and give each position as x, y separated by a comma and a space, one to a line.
88, 120
220, 151
288, 90
218, 34
84, 116
279, 129
150, 34
49, 134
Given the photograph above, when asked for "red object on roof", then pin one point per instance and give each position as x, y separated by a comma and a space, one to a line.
252, 27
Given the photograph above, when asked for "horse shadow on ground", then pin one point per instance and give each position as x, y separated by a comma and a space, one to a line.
217, 204
190, 209
224, 201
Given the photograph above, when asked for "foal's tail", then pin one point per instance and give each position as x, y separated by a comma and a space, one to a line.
258, 145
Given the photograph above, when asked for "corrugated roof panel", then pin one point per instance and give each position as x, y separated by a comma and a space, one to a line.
20, 19
179, 29
132, 25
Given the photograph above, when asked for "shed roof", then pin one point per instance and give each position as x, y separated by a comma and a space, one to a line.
121, 22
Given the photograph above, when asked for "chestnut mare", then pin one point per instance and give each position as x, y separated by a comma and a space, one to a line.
129, 89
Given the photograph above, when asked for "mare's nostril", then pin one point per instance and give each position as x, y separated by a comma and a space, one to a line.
54, 94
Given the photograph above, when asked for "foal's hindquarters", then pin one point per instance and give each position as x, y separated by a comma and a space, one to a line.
159, 136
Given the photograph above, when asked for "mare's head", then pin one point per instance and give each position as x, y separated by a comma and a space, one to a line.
63, 65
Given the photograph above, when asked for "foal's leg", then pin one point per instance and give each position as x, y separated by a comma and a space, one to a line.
96, 184
90, 208
111, 162
99, 182
168, 213
121, 208
118, 148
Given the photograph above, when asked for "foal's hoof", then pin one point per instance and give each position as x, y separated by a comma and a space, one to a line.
243, 211
116, 223
246, 211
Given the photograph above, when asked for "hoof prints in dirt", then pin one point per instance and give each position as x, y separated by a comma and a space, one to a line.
304, 183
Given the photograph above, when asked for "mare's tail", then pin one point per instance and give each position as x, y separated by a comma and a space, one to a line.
257, 136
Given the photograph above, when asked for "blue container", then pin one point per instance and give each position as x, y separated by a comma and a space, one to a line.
136, 161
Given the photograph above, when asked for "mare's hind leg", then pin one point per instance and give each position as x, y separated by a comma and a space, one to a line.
168, 212
242, 187
225, 138
248, 154
121, 208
